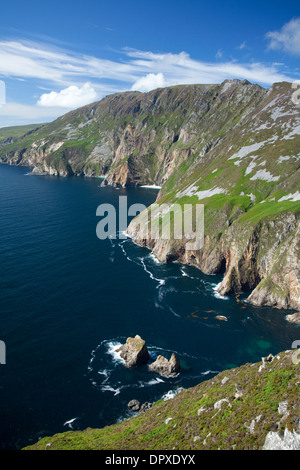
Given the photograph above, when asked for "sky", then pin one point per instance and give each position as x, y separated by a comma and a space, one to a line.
60, 55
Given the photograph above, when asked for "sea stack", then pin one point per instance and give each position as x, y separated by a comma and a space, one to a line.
134, 352
164, 367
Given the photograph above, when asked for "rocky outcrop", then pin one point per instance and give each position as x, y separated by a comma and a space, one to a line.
289, 441
164, 366
134, 352
135, 405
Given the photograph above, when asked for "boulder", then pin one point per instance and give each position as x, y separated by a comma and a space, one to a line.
134, 352
164, 367
134, 405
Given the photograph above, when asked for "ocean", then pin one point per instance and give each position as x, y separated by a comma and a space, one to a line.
68, 300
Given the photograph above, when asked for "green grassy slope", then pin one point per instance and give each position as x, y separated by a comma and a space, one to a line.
234, 410
16, 132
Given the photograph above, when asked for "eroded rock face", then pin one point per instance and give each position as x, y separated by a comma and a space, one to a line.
262, 259
134, 352
164, 367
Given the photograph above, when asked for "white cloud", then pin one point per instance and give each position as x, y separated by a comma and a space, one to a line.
71, 97
149, 82
64, 72
287, 38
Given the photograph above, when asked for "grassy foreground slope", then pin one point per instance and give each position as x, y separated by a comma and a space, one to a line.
251, 407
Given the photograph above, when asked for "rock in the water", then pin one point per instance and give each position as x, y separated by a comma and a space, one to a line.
134, 405
165, 367
134, 352
221, 317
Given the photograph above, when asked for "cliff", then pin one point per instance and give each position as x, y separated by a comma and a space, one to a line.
253, 407
233, 147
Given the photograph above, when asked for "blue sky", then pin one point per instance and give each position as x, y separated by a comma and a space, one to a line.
59, 55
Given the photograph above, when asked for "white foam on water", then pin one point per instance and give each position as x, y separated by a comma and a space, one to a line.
125, 253
153, 257
183, 272
108, 388
210, 372
112, 347
124, 234
151, 382
153, 350
164, 291
171, 394
216, 293
160, 281
104, 372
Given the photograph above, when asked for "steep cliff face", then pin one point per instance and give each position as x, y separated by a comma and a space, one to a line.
153, 132
232, 147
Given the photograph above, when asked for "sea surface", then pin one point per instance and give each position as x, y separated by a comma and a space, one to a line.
69, 299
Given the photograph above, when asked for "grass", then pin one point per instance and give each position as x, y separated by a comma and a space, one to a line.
17, 131
200, 420
270, 210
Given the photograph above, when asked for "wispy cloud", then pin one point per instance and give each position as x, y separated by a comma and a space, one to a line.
181, 68
65, 68
75, 79
242, 46
287, 38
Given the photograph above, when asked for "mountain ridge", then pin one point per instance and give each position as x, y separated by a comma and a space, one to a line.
235, 147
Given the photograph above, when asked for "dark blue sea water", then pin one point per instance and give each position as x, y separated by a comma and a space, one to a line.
67, 299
